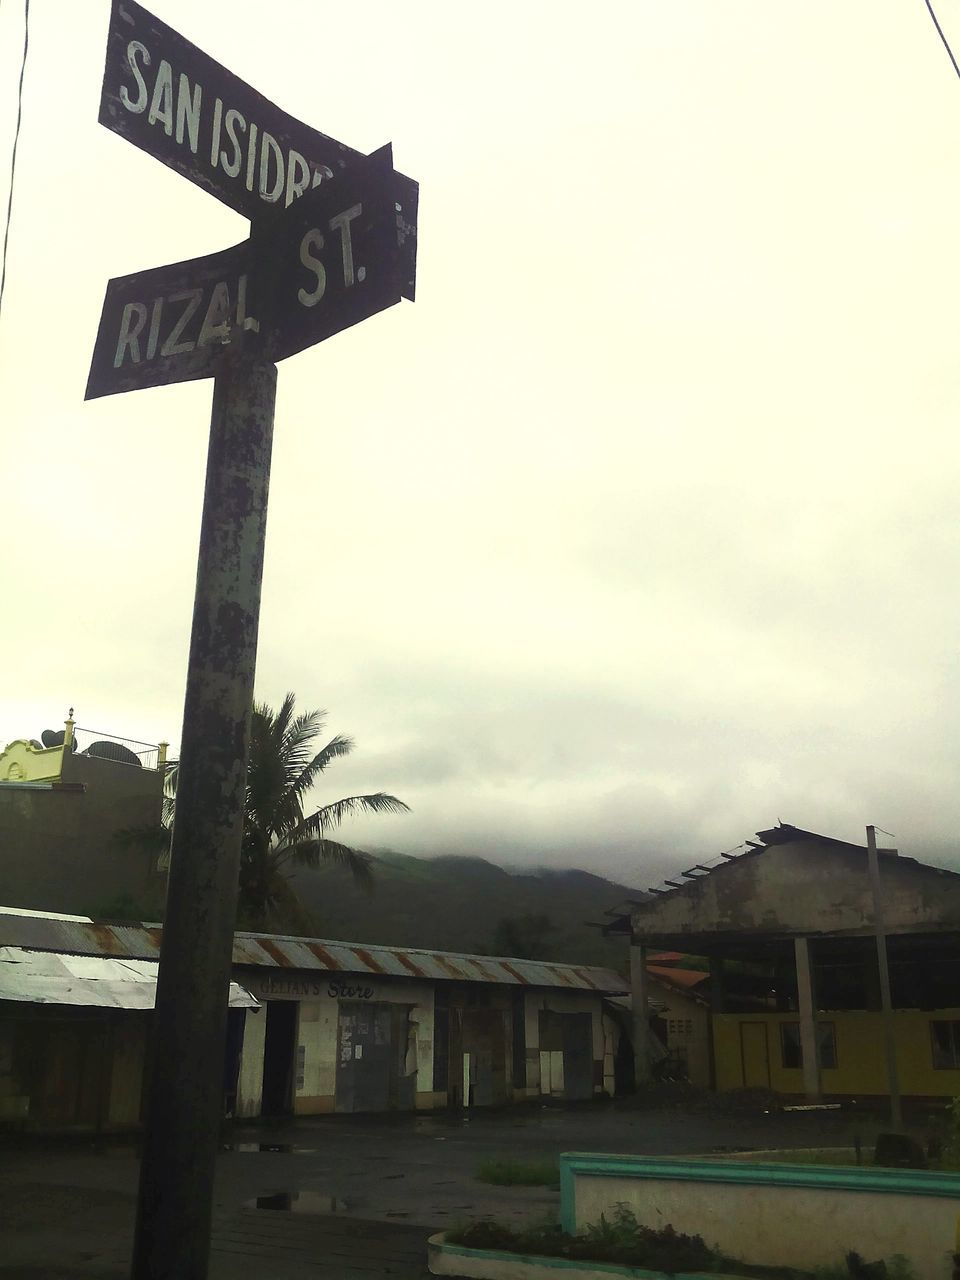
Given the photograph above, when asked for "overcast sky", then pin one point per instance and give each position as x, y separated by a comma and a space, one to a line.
639, 530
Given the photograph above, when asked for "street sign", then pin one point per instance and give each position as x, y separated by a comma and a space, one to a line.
331, 260
169, 98
171, 324
310, 271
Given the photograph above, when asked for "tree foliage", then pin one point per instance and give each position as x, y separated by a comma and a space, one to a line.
278, 837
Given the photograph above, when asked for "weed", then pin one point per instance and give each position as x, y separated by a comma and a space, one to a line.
622, 1239
519, 1173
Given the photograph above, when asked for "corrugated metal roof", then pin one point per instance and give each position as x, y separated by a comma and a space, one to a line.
277, 951
45, 977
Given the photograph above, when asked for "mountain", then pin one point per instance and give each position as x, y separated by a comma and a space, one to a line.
456, 903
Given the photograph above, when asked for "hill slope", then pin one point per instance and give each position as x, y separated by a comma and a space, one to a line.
455, 904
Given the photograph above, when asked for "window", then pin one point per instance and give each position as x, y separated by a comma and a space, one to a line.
945, 1038
791, 1050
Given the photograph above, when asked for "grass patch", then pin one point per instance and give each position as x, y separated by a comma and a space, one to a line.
519, 1173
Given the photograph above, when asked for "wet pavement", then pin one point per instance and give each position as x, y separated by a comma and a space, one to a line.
346, 1196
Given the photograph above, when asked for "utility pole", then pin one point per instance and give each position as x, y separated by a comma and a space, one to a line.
185, 1097
889, 1032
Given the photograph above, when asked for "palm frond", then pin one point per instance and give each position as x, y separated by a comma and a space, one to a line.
330, 816
312, 853
338, 747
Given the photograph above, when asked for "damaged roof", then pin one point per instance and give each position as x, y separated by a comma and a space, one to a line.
783, 833
264, 950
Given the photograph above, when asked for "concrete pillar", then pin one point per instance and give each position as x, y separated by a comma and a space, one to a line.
808, 1024
640, 999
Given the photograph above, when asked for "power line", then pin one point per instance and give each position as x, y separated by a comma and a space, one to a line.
946, 44
16, 139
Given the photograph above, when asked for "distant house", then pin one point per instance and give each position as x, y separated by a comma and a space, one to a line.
788, 929
677, 1032
63, 801
315, 1026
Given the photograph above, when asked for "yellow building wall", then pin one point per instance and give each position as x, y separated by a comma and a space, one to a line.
128, 1044
860, 1068
21, 761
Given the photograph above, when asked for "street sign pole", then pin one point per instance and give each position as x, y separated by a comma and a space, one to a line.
185, 1096
333, 242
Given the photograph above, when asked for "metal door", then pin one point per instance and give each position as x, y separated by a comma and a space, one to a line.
364, 1056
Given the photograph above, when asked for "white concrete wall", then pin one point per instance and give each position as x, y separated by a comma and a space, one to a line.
317, 1040
250, 1079
785, 1225
319, 996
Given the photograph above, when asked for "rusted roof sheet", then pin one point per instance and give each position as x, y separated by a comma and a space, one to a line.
78, 937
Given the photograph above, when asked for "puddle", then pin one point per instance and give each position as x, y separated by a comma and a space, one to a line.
284, 1148
299, 1202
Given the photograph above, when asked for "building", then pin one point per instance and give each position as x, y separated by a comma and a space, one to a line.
64, 803
74, 1024
316, 1026
788, 929
683, 1017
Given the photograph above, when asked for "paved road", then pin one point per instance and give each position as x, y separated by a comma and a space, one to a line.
351, 1197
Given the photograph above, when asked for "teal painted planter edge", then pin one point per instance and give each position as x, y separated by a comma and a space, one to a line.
916, 1182
439, 1243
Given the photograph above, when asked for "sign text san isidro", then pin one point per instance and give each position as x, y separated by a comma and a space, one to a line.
333, 236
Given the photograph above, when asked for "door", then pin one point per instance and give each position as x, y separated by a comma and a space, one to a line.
278, 1052
485, 1043
365, 1056
577, 1040
754, 1055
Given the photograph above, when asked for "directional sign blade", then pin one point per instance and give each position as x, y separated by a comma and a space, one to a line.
171, 324
343, 252
169, 98
334, 258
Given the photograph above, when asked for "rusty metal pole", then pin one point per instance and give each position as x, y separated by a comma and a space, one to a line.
185, 1097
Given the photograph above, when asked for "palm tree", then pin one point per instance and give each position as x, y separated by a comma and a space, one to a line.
277, 837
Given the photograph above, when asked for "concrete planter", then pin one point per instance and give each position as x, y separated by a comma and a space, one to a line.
495, 1264
794, 1215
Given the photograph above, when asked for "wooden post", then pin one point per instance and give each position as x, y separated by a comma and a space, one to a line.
185, 1097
